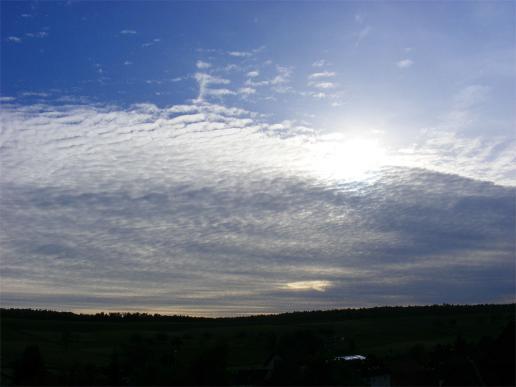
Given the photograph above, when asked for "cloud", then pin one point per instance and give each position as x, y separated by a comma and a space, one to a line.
324, 74
231, 67
359, 18
34, 94
209, 209
405, 63
206, 81
29, 35
453, 147
202, 65
211, 79
320, 63
14, 39
323, 85
152, 43
470, 96
479, 158
41, 34
98, 68
319, 95
283, 75
253, 74
7, 99
128, 32
246, 90
246, 54
362, 34
240, 54
278, 84
218, 92
319, 286
464, 107
128, 63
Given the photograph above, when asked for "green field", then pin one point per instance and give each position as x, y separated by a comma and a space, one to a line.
412, 345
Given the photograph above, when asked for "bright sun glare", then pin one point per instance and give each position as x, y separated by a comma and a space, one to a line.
335, 157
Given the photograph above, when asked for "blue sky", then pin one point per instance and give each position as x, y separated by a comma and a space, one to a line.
248, 157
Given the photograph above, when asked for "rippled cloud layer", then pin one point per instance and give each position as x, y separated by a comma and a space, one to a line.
207, 209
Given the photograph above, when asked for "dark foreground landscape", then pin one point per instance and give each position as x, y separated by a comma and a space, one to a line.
430, 345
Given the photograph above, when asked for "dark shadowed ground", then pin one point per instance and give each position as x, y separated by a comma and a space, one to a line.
432, 345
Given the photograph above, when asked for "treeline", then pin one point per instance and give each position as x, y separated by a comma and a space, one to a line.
305, 316
45, 314
383, 312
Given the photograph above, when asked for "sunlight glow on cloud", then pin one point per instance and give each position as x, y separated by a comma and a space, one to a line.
341, 158
319, 286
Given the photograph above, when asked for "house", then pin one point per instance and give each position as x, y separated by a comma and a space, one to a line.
350, 357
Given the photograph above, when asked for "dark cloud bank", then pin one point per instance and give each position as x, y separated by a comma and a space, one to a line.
411, 237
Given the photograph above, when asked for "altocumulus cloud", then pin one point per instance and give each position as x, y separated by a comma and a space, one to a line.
204, 209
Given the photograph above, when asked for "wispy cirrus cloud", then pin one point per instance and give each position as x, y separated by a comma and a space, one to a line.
476, 157
364, 31
464, 105
362, 34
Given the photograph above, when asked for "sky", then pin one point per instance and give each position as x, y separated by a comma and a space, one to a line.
232, 158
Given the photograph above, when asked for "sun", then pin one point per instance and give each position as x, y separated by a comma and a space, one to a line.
338, 158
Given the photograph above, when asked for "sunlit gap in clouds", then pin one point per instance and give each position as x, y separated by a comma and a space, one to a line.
319, 286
